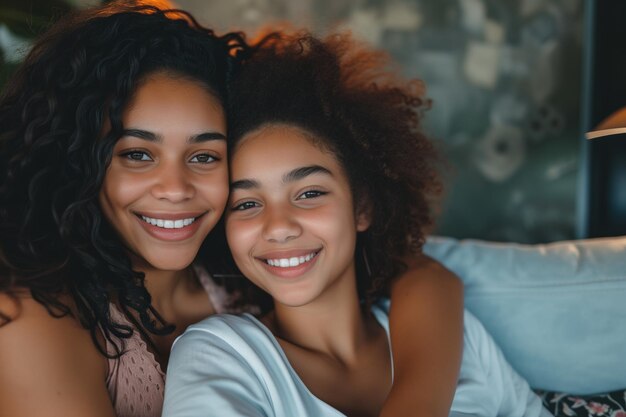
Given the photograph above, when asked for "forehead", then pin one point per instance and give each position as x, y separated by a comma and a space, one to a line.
171, 94
172, 107
280, 145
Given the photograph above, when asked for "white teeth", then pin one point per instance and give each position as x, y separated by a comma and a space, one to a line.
168, 224
290, 262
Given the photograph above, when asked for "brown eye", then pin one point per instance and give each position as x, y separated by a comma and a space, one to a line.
137, 156
246, 205
204, 158
311, 194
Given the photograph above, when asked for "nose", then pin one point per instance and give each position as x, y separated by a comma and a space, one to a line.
280, 225
173, 183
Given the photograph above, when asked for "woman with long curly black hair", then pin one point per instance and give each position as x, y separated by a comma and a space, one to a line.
112, 174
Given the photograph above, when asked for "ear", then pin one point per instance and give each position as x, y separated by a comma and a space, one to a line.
363, 216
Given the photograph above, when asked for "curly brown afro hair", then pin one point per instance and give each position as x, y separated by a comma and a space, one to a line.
344, 94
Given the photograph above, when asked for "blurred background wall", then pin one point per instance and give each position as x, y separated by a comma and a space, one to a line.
504, 76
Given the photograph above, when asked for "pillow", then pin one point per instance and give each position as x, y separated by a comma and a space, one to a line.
556, 310
564, 405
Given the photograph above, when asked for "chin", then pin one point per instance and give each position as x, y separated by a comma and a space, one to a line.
170, 262
171, 266
293, 300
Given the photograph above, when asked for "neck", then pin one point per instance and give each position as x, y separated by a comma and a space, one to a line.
333, 324
165, 286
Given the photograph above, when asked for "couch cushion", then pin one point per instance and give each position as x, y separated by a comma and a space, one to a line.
558, 311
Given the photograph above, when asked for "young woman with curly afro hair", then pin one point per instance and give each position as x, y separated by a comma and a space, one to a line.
331, 180
113, 173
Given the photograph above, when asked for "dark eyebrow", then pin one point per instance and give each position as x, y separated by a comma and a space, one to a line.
291, 176
206, 136
244, 185
142, 134
152, 137
302, 172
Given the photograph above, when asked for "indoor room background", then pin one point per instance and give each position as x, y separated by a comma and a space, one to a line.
506, 79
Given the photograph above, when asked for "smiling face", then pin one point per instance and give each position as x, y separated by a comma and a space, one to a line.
166, 186
291, 223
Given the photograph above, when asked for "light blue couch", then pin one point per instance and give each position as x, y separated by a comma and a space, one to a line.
558, 311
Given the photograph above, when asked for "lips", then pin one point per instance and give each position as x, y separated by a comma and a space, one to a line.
292, 261
289, 264
170, 226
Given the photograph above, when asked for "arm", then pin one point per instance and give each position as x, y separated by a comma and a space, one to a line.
48, 366
426, 326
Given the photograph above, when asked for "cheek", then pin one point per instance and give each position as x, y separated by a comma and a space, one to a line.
215, 189
118, 191
112, 201
334, 223
242, 237
238, 235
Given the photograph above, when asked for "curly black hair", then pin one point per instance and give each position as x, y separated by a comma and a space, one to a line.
345, 95
60, 116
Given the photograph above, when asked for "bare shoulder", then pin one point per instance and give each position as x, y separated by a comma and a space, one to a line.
427, 294
30, 322
48, 364
426, 277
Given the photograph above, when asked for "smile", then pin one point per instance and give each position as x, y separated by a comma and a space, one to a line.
168, 223
291, 262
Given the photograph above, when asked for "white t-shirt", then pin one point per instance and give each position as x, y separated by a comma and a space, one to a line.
232, 366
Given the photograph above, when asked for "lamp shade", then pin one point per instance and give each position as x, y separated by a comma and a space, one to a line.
607, 176
615, 124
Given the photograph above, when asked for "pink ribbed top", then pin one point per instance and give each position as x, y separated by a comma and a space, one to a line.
135, 380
